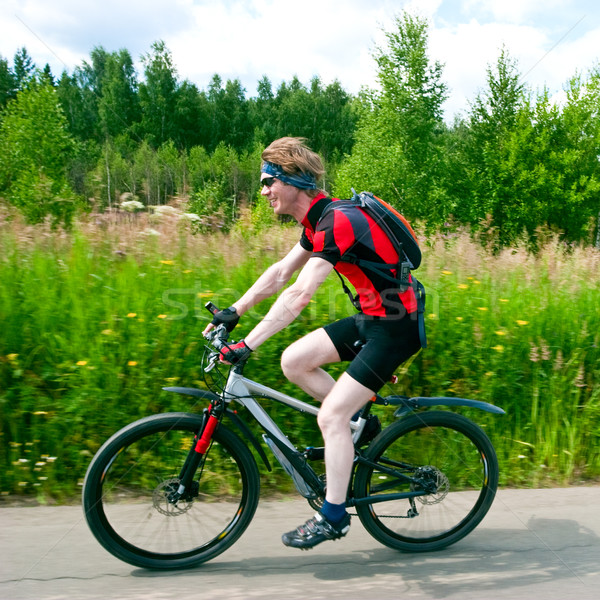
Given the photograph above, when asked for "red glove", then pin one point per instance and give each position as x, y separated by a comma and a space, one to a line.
235, 353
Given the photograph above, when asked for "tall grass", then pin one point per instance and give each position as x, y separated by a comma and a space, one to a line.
94, 323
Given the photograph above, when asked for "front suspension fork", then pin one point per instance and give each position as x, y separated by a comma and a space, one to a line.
201, 444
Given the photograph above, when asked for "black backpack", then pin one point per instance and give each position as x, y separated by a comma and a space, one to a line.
405, 242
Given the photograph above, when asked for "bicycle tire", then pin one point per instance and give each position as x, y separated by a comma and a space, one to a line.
125, 489
439, 446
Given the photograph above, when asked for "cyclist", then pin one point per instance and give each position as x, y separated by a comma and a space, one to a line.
375, 341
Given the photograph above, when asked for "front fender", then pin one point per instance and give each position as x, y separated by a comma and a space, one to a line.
193, 392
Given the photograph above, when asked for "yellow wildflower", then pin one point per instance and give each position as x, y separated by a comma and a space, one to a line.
522, 323
498, 348
167, 262
81, 363
482, 308
503, 299
132, 363
476, 281
162, 316
132, 315
432, 316
205, 294
187, 271
106, 331
12, 357
463, 286
459, 318
446, 272
500, 332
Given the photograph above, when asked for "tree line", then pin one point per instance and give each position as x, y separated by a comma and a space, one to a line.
515, 166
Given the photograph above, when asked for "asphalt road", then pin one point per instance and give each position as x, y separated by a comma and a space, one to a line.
533, 544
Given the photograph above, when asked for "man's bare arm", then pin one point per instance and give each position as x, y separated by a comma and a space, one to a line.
291, 302
271, 281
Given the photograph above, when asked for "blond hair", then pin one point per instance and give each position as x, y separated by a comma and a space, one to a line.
294, 157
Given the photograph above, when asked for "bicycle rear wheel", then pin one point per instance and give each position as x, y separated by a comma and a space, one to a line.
452, 457
126, 487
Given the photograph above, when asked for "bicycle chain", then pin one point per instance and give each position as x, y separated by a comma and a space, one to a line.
385, 516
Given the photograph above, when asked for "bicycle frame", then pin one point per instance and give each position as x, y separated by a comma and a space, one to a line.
244, 391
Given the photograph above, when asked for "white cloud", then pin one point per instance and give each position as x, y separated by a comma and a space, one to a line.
513, 11
334, 39
280, 39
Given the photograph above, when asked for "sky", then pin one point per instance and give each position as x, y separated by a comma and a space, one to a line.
551, 40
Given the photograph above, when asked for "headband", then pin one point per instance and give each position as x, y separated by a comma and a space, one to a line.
304, 181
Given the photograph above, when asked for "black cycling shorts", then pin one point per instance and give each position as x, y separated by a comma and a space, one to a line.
376, 346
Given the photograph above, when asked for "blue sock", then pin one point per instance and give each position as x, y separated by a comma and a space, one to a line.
334, 513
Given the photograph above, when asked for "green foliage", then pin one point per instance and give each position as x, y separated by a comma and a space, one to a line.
517, 164
527, 164
7, 83
118, 104
90, 336
397, 148
23, 68
34, 150
158, 95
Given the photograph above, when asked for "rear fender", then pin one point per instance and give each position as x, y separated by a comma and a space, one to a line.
407, 405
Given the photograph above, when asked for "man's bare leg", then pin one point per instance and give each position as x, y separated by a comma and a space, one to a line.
343, 401
332, 521
302, 360
301, 364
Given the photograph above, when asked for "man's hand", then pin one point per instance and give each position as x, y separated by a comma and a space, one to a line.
235, 353
227, 317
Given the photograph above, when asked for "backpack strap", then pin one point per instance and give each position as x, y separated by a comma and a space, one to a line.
419, 289
402, 270
354, 299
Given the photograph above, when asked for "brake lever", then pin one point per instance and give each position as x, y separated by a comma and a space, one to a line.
212, 361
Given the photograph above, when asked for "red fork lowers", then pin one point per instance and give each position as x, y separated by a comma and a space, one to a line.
204, 441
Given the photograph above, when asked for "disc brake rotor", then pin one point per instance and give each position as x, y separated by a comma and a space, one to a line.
433, 478
160, 499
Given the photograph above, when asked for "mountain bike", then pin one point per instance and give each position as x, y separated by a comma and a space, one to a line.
174, 490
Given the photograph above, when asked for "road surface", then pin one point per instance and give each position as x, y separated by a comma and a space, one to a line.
533, 544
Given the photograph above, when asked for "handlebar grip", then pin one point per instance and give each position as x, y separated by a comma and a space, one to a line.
210, 307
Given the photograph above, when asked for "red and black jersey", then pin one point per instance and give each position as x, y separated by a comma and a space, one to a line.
350, 231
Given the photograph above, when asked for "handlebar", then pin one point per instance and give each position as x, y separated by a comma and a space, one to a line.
217, 337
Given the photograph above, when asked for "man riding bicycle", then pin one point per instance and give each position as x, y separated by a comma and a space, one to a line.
375, 341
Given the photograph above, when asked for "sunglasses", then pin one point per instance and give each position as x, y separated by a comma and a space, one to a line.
268, 181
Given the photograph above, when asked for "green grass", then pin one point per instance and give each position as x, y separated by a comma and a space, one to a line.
94, 323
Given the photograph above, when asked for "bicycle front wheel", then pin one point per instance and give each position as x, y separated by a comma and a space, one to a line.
440, 452
126, 489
